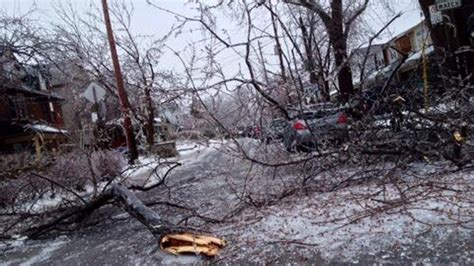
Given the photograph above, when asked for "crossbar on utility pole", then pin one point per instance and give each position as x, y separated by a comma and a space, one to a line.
124, 103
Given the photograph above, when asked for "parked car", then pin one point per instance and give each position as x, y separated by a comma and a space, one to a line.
276, 130
316, 126
251, 132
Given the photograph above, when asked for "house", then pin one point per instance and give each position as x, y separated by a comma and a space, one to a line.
384, 56
70, 81
410, 43
374, 61
30, 114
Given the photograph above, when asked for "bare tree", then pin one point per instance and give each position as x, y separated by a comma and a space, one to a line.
338, 20
82, 37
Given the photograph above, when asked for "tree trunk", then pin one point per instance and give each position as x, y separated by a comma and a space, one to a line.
116, 193
142, 213
150, 128
278, 46
339, 45
345, 82
310, 62
324, 85
338, 31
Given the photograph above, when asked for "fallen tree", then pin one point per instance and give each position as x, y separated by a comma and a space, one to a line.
171, 238
21, 213
116, 194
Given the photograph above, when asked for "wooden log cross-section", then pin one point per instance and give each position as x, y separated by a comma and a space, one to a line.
190, 243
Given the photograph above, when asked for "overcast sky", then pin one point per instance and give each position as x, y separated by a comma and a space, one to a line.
149, 20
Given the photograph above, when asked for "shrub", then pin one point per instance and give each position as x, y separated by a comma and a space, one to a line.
189, 135
73, 170
209, 133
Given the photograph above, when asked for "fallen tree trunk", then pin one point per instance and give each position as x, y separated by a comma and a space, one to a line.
117, 193
136, 208
171, 238
70, 216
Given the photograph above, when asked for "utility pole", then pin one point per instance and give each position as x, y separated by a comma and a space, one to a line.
124, 103
451, 34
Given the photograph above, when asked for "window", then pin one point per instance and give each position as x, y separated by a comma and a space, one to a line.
393, 55
20, 106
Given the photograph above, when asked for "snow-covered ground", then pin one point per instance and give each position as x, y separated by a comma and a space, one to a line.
149, 170
344, 225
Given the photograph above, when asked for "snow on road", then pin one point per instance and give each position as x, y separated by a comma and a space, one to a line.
345, 225
149, 170
338, 226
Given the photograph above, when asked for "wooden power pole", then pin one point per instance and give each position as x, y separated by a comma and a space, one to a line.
124, 103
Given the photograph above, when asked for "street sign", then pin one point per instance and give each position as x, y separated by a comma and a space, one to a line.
94, 117
94, 93
435, 15
448, 4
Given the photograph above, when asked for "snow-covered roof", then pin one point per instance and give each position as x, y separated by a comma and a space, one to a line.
383, 71
408, 19
417, 55
45, 129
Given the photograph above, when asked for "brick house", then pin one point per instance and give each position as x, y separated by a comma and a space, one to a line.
30, 114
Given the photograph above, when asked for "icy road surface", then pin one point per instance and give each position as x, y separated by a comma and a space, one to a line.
303, 228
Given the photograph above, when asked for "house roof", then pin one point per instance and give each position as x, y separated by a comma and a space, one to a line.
25, 79
42, 128
27, 89
374, 48
399, 27
46, 94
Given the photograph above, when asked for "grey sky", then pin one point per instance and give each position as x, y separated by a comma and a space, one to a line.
146, 19
149, 20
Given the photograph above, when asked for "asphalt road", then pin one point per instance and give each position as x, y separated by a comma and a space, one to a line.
210, 181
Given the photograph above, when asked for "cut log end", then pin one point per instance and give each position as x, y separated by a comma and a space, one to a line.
194, 244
